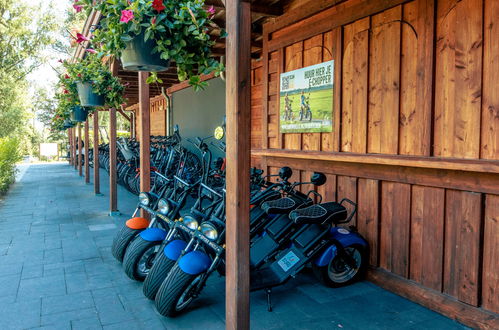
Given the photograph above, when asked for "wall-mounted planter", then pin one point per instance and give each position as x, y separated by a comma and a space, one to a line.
137, 56
79, 114
87, 96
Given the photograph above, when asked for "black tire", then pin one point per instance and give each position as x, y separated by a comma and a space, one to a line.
172, 289
160, 269
121, 240
139, 258
310, 115
325, 276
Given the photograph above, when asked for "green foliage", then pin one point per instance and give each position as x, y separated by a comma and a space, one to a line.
178, 27
9, 155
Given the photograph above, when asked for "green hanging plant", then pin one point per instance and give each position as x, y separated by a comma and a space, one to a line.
179, 29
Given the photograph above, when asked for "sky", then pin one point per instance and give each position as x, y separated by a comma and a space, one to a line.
45, 76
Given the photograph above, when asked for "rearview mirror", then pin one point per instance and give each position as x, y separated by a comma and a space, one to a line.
318, 178
219, 133
285, 173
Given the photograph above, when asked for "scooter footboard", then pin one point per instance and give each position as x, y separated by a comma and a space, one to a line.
265, 245
291, 260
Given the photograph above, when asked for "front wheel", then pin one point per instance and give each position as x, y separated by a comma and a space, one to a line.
139, 258
162, 265
121, 240
338, 272
176, 292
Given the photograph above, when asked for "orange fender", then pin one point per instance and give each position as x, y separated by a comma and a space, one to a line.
137, 223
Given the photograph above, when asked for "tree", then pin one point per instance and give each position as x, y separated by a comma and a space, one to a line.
25, 32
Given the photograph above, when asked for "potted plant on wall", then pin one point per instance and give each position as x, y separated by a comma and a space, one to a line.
147, 35
94, 83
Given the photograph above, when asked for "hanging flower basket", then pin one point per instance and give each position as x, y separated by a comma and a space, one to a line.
88, 98
68, 123
138, 56
79, 114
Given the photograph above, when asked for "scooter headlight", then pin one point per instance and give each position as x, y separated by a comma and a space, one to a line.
191, 222
209, 230
163, 206
144, 199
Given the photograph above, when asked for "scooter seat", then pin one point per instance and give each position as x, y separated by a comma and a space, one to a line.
319, 213
279, 206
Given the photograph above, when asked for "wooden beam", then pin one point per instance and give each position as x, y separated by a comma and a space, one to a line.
457, 164
185, 84
474, 317
87, 167
96, 153
80, 154
145, 134
113, 188
238, 111
124, 114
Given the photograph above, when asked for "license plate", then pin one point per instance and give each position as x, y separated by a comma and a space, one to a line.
288, 261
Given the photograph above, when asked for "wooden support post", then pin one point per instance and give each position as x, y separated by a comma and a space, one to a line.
80, 153
75, 159
113, 188
70, 141
238, 111
87, 167
145, 134
96, 153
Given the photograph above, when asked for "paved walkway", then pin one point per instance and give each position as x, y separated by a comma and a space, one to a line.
57, 272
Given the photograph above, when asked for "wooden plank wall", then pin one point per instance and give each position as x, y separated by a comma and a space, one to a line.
158, 116
413, 78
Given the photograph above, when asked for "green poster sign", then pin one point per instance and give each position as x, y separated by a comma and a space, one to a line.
306, 99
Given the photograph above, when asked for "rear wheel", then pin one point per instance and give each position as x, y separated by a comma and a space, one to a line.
339, 273
176, 292
139, 258
160, 269
121, 240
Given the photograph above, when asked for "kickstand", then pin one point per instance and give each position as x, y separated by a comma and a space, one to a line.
269, 299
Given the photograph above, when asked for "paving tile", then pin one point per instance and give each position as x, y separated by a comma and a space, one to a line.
88, 324
31, 271
67, 302
20, 315
78, 314
39, 287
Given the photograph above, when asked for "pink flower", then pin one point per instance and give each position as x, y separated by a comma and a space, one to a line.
81, 38
78, 8
91, 50
126, 16
66, 76
153, 20
211, 10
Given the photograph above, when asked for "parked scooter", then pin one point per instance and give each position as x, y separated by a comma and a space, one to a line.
142, 250
150, 199
312, 240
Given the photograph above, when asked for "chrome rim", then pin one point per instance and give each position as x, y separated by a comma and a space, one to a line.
146, 261
187, 296
340, 272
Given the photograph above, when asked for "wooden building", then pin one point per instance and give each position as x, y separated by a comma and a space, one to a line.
415, 136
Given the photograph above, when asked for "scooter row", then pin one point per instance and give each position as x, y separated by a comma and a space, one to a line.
176, 252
